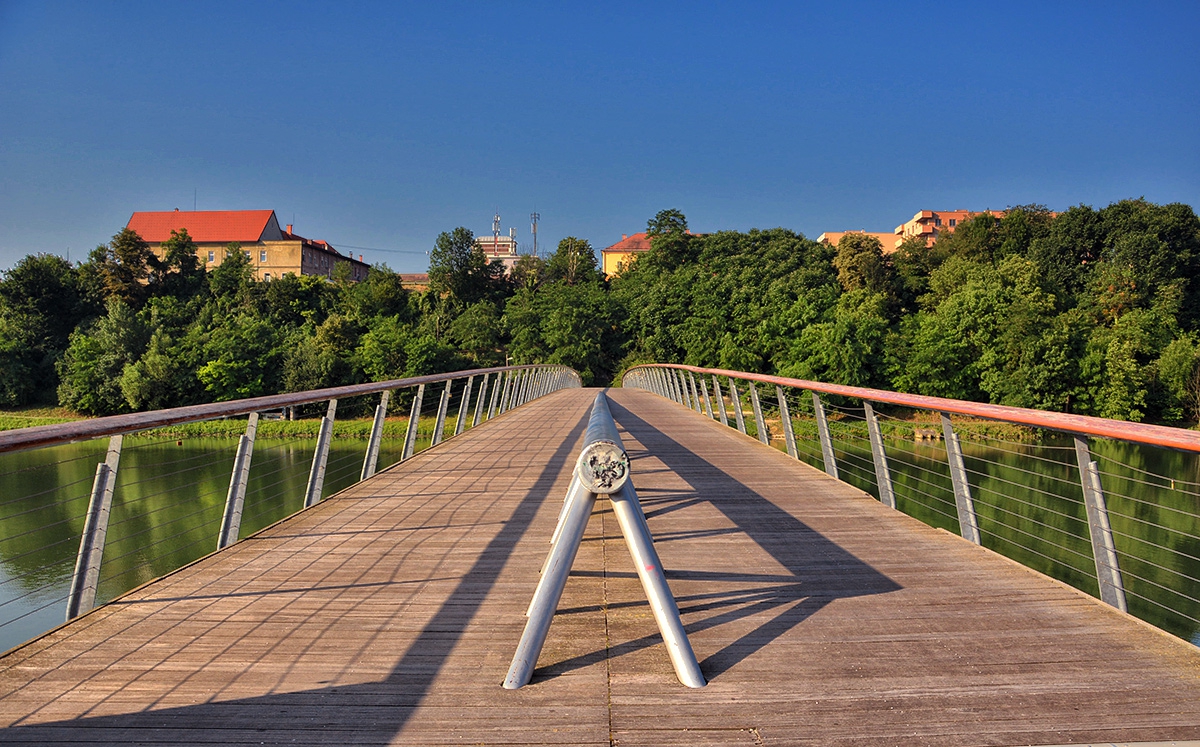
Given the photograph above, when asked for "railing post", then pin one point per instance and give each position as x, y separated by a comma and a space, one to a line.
86, 578
464, 404
883, 476
497, 389
414, 420
827, 457
1108, 571
480, 400
736, 401
316, 473
660, 383
439, 424
695, 392
506, 395
967, 521
231, 520
759, 424
707, 399
720, 400
785, 417
371, 459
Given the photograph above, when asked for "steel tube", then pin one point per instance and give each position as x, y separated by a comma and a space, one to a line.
464, 405
736, 401
720, 400
479, 401
439, 423
707, 400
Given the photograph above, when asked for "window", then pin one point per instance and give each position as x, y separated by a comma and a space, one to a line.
266, 275
937, 222
953, 222
212, 256
246, 252
262, 255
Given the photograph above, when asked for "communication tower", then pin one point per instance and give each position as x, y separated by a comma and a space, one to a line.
533, 221
496, 229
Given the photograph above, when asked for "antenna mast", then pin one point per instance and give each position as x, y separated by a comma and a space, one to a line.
496, 232
533, 221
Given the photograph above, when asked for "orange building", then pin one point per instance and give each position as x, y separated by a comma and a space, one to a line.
273, 252
503, 248
617, 257
932, 223
887, 240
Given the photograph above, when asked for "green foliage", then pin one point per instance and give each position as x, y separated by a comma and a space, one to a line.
573, 262
91, 367
459, 268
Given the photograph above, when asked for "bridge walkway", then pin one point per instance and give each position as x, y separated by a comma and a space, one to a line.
389, 613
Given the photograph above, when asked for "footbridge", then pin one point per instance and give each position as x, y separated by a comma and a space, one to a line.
379, 597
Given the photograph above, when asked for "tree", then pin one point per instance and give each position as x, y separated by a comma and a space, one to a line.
179, 273
573, 262
232, 279
125, 265
670, 240
859, 263
458, 267
667, 223
91, 367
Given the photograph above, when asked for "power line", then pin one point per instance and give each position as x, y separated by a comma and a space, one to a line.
376, 249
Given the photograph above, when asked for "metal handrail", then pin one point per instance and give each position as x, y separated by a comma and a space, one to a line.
80, 430
1085, 425
972, 484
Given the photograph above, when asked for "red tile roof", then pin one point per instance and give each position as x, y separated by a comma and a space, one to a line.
217, 226
638, 242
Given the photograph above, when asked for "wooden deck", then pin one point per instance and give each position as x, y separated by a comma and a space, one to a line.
389, 614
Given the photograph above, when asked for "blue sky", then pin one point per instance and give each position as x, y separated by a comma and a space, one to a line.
379, 125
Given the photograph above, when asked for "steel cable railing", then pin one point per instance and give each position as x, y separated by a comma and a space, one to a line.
93, 508
1110, 507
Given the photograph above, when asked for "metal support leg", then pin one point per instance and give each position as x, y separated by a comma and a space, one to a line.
789, 434
316, 473
414, 422
1108, 571
506, 395
550, 587
464, 404
826, 442
883, 476
439, 424
231, 520
707, 399
720, 400
759, 424
736, 401
967, 521
86, 578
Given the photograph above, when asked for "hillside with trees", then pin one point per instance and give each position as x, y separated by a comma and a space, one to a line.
1088, 311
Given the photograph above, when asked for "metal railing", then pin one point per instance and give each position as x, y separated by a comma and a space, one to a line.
1110, 507
169, 486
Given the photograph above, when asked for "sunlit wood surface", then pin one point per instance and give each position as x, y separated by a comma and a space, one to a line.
388, 615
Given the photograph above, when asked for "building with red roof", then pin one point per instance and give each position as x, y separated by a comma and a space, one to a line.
273, 251
617, 257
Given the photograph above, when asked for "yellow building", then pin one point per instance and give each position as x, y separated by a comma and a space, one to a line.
617, 257
273, 252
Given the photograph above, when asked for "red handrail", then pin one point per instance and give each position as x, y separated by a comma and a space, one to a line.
82, 430
1156, 435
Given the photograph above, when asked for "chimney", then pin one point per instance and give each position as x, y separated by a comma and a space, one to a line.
177, 210
289, 228
623, 237
360, 259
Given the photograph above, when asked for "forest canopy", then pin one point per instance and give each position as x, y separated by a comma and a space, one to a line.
1087, 311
